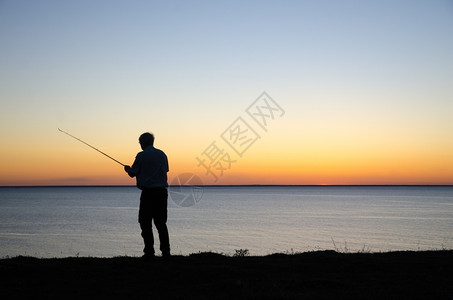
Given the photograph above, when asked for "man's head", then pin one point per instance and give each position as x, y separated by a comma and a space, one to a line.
146, 139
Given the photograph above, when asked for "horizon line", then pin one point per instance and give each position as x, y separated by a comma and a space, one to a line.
242, 185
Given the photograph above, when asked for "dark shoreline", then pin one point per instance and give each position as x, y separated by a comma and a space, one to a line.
310, 275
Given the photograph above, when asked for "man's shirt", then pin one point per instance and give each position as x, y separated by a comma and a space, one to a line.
150, 167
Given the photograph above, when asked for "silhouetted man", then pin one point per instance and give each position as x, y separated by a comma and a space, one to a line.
150, 169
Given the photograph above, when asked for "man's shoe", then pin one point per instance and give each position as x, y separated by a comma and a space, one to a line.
148, 257
166, 255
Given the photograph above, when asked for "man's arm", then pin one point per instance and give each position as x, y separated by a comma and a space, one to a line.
133, 170
129, 171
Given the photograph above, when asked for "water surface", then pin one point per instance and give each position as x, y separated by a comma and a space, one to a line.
102, 221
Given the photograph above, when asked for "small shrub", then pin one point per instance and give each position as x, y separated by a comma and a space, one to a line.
241, 252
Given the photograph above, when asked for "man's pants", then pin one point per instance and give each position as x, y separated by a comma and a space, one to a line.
153, 206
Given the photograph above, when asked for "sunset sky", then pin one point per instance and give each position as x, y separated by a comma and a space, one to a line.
355, 92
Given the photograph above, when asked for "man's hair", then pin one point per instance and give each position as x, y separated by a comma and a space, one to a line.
146, 139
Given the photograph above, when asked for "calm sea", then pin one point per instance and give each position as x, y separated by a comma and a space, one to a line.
102, 221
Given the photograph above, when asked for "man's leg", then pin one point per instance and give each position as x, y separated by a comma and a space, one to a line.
148, 237
160, 220
145, 220
163, 237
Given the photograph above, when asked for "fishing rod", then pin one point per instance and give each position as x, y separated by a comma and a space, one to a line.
91, 147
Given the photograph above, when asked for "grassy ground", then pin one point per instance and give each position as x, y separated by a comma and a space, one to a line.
311, 275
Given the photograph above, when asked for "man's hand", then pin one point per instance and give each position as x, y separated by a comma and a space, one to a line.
129, 171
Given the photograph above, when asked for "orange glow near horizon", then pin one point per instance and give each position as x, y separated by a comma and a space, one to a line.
100, 171
272, 161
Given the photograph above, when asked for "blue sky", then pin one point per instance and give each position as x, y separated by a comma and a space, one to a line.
343, 70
